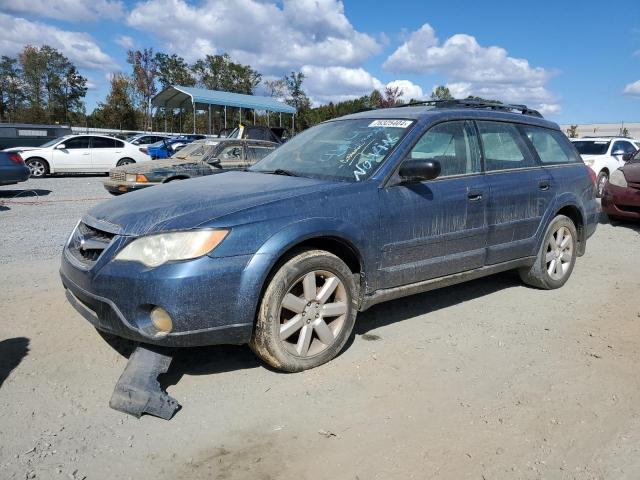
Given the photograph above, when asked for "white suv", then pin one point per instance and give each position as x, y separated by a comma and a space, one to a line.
604, 155
81, 154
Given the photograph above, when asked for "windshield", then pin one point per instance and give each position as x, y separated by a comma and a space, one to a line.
347, 150
51, 142
592, 147
194, 150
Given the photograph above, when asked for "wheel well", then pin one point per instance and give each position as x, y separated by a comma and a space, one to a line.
605, 170
124, 158
177, 177
574, 214
42, 160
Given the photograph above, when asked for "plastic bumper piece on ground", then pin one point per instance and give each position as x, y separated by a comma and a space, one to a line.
138, 390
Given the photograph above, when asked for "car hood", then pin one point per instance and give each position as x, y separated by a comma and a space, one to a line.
632, 172
191, 203
155, 165
21, 149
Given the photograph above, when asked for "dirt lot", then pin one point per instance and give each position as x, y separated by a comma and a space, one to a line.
487, 380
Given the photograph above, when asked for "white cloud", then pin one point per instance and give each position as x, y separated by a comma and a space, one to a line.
70, 10
79, 47
409, 90
271, 37
632, 89
471, 69
125, 41
335, 84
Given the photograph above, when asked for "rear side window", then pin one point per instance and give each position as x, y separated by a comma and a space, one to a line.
231, 154
453, 144
626, 147
551, 146
504, 148
102, 142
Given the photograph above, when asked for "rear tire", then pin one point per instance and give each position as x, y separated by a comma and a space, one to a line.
307, 312
38, 167
125, 161
556, 257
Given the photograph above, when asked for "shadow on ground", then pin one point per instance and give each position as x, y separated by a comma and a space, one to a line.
12, 351
26, 193
619, 222
225, 358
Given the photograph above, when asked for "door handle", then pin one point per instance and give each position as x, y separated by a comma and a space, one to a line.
544, 185
474, 195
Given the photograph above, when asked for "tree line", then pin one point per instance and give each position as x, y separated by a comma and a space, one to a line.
41, 85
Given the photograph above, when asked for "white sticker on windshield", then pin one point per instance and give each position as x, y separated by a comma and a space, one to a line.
391, 123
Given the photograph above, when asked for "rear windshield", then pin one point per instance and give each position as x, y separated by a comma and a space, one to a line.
592, 147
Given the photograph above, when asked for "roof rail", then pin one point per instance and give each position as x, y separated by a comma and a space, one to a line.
471, 103
607, 136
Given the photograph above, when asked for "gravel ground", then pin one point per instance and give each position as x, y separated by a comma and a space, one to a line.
485, 380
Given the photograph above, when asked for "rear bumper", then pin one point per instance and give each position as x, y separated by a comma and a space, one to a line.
118, 186
201, 296
622, 202
14, 174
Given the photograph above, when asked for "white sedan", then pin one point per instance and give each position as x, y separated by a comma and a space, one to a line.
81, 154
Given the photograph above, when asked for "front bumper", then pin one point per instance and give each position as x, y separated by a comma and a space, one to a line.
119, 186
622, 202
201, 296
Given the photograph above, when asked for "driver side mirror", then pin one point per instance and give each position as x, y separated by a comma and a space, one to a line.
61, 146
415, 171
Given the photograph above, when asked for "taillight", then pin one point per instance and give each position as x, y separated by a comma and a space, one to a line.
592, 174
16, 158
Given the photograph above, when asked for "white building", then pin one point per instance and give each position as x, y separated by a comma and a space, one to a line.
605, 129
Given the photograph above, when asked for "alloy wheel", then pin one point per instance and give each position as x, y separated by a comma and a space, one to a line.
37, 168
313, 313
559, 253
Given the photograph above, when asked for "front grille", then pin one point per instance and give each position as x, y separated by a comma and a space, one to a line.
88, 243
117, 175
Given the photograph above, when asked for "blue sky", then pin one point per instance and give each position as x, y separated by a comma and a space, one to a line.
576, 61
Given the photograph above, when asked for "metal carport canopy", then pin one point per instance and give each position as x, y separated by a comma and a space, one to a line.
175, 96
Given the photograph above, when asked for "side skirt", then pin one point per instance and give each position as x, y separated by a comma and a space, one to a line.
387, 294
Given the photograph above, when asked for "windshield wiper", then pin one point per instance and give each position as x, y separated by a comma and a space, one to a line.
280, 171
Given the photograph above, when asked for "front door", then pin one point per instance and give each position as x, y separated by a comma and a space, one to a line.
437, 227
74, 157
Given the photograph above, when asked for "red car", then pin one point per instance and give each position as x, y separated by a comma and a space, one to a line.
621, 198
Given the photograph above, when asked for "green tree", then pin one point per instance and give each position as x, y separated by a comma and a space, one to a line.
33, 68
441, 92
145, 71
572, 131
173, 70
11, 89
219, 72
118, 110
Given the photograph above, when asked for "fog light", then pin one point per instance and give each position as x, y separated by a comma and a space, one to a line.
162, 321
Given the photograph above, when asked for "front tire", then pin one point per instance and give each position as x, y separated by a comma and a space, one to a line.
307, 312
556, 257
38, 167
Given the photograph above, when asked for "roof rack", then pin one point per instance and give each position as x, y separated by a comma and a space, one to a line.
470, 103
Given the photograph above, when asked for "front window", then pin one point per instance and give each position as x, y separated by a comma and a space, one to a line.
345, 150
592, 147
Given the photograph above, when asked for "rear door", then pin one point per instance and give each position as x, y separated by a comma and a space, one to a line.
520, 191
436, 227
74, 157
105, 152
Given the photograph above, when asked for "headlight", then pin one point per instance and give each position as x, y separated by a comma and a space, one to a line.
590, 162
617, 178
155, 250
130, 177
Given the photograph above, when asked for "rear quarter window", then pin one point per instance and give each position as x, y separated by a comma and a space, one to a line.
552, 147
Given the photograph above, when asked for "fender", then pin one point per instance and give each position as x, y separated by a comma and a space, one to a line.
255, 274
565, 199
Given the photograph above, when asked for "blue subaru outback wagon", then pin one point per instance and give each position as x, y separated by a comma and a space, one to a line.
355, 211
